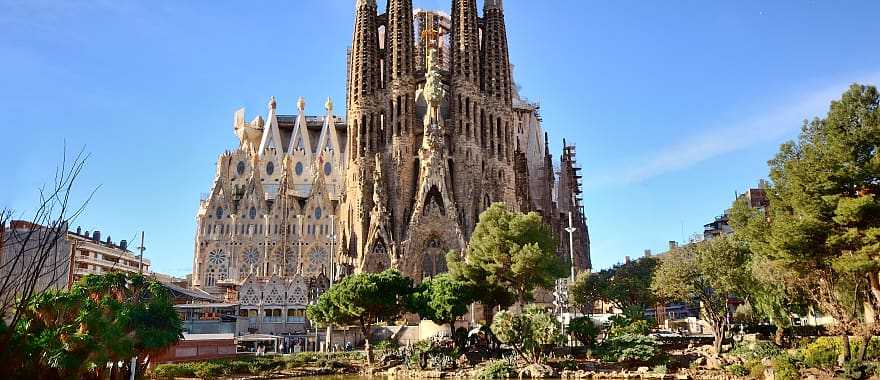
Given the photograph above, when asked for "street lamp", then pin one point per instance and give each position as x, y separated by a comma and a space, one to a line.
332, 271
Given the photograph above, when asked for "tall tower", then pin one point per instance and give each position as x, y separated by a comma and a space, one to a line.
465, 108
400, 113
496, 87
364, 111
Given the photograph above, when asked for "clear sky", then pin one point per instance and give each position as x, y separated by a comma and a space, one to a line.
673, 105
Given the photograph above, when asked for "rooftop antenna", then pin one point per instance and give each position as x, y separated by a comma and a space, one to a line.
141, 255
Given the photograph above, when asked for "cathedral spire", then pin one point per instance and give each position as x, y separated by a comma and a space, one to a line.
465, 41
364, 76
496, 81
399, 39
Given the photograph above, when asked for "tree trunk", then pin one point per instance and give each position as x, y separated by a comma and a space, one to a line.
718, 330
779, 337
367, 348
863, 350
487, 314
847, 352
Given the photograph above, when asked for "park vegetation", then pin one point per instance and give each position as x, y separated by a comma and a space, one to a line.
814, 249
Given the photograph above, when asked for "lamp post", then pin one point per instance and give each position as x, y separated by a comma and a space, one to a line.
570, 229
332, 271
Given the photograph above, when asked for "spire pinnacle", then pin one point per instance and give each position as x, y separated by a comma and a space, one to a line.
493, 4
301, 104
328, 105
272, 102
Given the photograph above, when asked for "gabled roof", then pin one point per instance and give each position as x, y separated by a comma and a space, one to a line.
271, 135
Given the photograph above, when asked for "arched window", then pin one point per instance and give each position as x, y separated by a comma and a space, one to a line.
219, 213
252, 213
298, 169
240, 168
318, 213
270, 168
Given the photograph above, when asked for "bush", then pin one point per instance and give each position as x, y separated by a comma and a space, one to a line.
585, 330
385, 344
660, 369
496, 369
755, 350
822, 353
305, 357
623, 325
785, 368
208, 370
629, 347
756, 368
737, 370
854, 370
237, 367
170, 371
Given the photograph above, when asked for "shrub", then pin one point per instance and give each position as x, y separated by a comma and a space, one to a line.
496, 369
660, 369
585, 330
170, 371
208, 370
623, 325
755, 350
737, 370
785, 368
237, 367
756, 368
629, 347
385, 344
854, 370
305, 357
822, 353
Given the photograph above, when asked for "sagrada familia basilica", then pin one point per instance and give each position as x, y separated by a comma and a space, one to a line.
434, 131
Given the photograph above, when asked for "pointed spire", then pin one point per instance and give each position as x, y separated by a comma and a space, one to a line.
496, 80
271, 135
364, 56
399, 39
465, 41
299, 138
328, 105
492, 4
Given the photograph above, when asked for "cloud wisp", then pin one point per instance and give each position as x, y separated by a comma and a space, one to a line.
774, 125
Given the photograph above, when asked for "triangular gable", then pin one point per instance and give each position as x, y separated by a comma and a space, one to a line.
271, 135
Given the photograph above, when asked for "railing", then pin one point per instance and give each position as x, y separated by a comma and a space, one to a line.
208, 327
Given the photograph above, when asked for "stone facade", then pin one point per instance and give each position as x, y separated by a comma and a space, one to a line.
434, 132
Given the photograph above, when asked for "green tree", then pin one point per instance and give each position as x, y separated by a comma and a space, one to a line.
823, 223
587, 289
772, 291
362, 299
629, 285
441, 299
710, 272
508, 256
102, 319
528, 333
585, 330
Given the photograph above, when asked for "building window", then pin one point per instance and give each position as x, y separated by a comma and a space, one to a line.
318, 213
272, 316
240, 168
253, 213
296, 316
270, 168
219, 212
298, 169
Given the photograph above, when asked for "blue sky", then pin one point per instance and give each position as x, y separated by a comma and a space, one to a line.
673, 105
